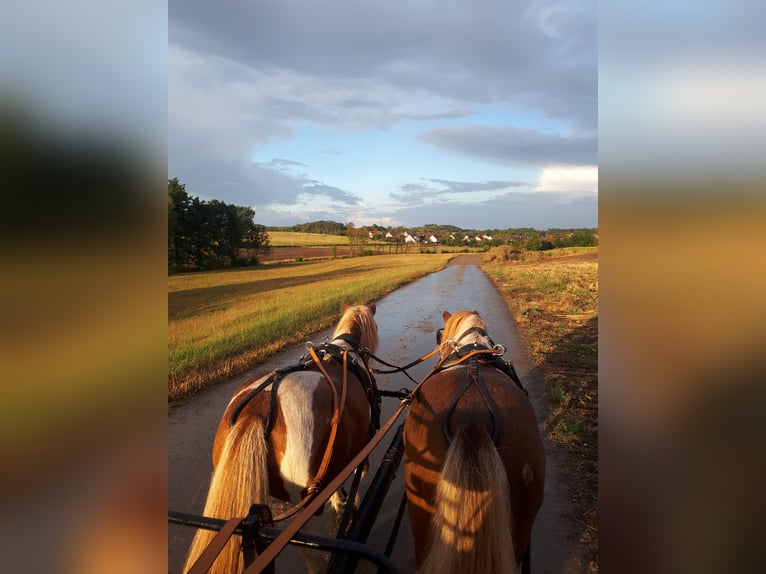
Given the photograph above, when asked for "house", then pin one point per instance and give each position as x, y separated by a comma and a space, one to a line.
409, 238
433, 239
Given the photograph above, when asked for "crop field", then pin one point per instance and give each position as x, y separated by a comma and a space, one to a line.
221, 323
300, 239
554, 299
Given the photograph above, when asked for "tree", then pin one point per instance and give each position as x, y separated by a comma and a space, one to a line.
357, 238
205, 235
180, 226
256, 242
533, 243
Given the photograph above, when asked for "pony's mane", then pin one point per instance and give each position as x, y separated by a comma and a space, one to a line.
358, 321
459, 323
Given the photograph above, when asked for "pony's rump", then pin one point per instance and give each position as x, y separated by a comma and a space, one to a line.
474, 463
472, 530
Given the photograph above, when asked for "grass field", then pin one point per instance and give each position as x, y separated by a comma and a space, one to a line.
299, 239
222, 323
554, 298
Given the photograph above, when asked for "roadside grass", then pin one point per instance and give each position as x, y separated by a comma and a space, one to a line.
554, 299
302, 239
221, 323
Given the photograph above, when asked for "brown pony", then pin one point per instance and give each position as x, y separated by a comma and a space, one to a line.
474, 463
273, 437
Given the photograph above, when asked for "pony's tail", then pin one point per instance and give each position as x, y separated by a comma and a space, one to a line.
239, 480
471, 530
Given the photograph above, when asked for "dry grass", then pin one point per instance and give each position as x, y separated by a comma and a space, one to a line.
222, 323
301, 239
554, 299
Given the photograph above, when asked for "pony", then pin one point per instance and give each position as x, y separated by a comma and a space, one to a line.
474, 464
282, 434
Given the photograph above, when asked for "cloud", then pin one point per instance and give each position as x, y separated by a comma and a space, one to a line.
541, 56
513, 209
470, 186
567, 178
415, 193
513, 146
285, 163
246, 76
332, 192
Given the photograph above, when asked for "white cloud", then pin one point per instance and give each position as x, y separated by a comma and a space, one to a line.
563, 178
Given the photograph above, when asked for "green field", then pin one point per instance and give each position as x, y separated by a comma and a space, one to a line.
300, 239
221, 323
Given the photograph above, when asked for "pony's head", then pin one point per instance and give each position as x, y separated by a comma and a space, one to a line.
358, 321
455, 325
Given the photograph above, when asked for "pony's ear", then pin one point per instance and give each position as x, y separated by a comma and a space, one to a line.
346, 306
446, 315
372, 307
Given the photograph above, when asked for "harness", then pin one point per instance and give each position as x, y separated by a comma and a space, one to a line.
306, 363
475, 355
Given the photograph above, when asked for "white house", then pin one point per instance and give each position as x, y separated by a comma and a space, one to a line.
409, 238
433, 239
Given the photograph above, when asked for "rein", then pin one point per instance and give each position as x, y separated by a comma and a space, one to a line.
278, 544
338, 405
317, 498
404, 368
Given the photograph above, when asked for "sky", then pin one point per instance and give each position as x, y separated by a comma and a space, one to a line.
481, 115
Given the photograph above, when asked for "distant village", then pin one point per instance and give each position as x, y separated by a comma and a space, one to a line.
408, 237
450, 235
535, 240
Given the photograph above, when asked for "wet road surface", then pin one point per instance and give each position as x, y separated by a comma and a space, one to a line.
407, 322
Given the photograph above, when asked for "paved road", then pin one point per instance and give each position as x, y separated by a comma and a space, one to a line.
407, 321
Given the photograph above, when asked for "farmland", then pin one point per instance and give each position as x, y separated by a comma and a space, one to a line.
554, 298
222, 323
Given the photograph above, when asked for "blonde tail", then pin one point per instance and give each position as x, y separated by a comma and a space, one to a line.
472, 526
239, 480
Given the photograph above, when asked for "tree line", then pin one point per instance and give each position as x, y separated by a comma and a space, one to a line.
210, 234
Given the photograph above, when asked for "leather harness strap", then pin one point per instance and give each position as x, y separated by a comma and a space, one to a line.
473, 377
211, 552
339, 405
364, 377
471, 353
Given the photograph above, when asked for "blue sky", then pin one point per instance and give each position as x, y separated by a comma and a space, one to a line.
479, 115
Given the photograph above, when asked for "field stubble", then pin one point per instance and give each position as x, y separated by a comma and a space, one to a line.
554, 299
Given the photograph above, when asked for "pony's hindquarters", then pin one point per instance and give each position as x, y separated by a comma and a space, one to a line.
471, 530
239, 480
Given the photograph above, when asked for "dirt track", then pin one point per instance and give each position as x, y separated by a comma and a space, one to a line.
407, 319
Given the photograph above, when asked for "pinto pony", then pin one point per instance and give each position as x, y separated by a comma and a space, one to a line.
274, 435
474, 463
